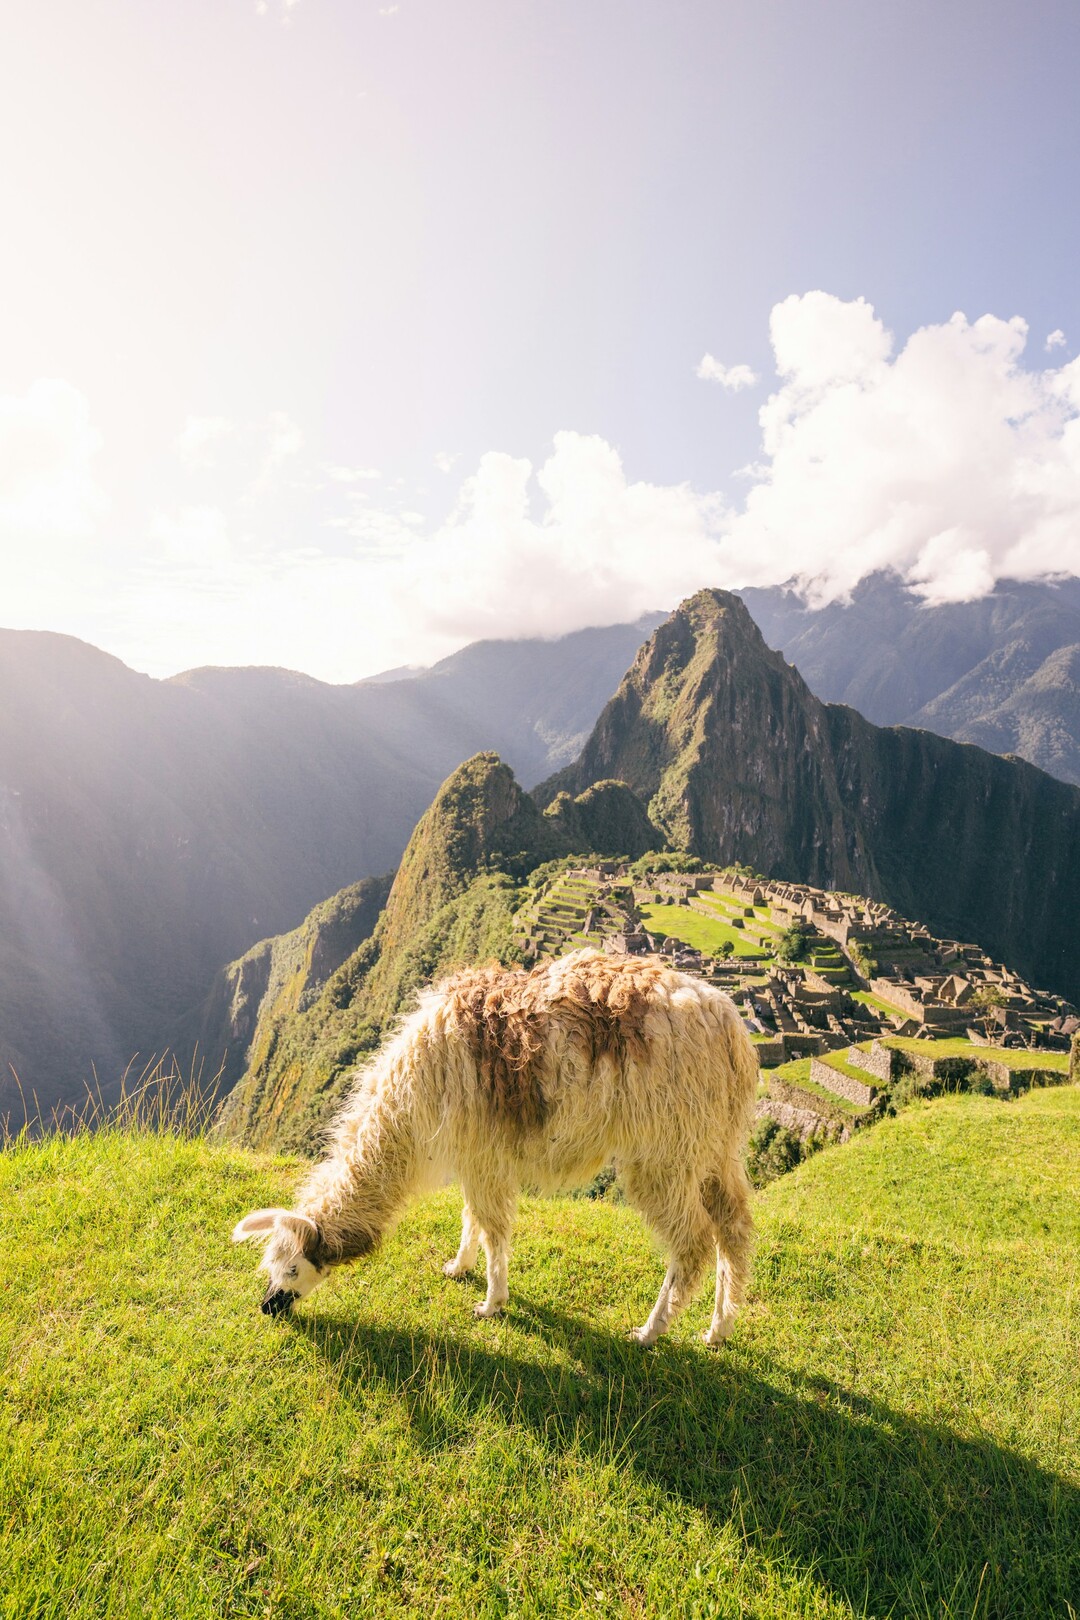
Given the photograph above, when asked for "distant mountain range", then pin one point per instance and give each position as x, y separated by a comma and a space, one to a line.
151, 831
1002, 672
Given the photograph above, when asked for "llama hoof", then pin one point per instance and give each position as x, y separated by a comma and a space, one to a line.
644, 1336
452, 1269
715, 1338
485, 1310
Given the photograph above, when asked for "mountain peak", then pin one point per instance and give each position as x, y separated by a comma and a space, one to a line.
737, 761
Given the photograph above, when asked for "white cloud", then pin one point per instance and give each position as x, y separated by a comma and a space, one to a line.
733, 378
445, 460
948, 461
201, 438
948, 458
249, 454
1055, 340
50, 501
600, 548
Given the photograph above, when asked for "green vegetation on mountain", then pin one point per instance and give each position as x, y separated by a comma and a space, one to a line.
452, 903
606, 819
894, 1428
738, 761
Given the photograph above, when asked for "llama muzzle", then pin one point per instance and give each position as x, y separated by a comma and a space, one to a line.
277, 1302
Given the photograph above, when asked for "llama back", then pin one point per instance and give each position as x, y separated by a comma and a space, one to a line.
589, 1040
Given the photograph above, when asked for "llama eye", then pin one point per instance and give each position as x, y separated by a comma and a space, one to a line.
291, 1271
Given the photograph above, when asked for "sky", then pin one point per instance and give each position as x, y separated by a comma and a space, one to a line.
336, 334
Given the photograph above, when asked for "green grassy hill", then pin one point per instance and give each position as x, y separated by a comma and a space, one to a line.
893, 1430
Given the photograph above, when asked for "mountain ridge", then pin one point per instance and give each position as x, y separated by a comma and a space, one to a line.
999, 671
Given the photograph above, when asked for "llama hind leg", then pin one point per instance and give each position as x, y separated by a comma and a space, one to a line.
677, 1215
493, 1212
465, 1259
727, 1199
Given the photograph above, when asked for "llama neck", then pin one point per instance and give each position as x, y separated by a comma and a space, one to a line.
355, 1195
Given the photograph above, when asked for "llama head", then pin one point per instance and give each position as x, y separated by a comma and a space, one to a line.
292, 1257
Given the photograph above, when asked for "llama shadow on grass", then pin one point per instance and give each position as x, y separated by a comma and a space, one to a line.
890, 1514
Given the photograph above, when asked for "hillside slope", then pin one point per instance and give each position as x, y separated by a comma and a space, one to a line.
1000, 671
738, 761
894, 1428
280, 976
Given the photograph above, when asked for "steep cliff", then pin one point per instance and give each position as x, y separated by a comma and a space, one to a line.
738, 761
280, 976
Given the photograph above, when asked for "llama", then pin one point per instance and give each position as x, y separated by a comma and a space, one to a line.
506, 1078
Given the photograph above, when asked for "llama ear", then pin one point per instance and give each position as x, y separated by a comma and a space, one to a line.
260, 1223
303, 1228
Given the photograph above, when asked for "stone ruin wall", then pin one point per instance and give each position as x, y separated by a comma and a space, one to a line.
842, 1085
878, 1061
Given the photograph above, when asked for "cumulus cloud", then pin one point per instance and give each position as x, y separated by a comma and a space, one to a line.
249, 454
199, 442
1055, 340
948, 460
47, 448
733, 378
525, 551
600, 546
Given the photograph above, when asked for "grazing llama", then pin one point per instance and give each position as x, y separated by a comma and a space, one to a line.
502, 1079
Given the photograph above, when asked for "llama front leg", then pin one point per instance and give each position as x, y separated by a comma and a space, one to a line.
465, 1259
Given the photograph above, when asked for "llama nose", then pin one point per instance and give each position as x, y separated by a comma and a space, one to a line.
277, 1302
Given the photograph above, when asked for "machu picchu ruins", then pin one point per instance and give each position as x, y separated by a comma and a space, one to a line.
843, 998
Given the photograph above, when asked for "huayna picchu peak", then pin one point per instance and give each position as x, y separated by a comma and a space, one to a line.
737, 761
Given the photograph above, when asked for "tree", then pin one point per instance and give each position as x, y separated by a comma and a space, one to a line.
793, 943
986, 1000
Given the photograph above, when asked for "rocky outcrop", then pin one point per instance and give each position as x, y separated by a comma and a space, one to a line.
607, 819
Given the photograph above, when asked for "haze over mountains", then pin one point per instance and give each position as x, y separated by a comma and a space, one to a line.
151, 831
